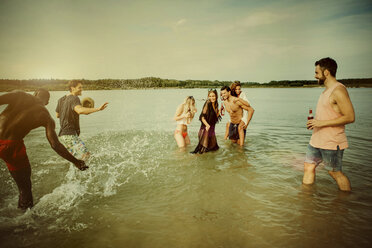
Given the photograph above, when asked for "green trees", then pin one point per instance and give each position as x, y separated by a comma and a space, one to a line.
154, 82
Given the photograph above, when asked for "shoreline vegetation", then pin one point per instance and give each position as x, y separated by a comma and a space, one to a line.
7, 85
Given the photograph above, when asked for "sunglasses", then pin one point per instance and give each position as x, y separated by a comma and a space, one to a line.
211, 89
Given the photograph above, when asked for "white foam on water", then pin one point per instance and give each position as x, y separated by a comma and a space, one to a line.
64, 197
110, 167
116, 158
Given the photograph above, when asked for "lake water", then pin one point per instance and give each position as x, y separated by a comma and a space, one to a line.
141, 191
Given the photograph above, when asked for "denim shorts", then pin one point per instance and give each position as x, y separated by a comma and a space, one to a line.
332, 158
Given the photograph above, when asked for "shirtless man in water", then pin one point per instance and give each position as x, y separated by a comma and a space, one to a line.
234, 106
24, 113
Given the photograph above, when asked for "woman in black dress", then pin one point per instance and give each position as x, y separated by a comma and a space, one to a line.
209, 116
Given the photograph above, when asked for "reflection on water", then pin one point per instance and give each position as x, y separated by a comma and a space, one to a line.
141, 191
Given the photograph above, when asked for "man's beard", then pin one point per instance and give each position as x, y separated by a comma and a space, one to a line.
322, 80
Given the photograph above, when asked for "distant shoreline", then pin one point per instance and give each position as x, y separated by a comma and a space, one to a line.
7, 85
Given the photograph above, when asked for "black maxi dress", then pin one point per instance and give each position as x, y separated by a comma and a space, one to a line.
207, 139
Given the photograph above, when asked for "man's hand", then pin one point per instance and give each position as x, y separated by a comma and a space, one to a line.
314, 123
243, 125
103, 106
81, 165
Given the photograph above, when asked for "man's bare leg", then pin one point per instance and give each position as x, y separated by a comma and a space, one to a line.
241, 133
341, 180
227, 130
309, 173
23, 180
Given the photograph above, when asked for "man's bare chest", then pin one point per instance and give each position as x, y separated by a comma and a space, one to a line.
232, 107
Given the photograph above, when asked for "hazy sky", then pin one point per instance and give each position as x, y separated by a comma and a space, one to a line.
247, 40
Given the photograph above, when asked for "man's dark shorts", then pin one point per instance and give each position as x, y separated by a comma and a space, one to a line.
332, 158
234, 131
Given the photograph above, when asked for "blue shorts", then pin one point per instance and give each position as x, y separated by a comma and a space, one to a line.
332, 158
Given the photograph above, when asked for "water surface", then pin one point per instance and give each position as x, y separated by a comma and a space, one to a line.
141, 191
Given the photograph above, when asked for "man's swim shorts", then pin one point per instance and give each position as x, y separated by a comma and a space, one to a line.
234, 131
13, 152
74, 145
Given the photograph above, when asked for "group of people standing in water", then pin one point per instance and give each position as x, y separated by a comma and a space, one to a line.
26, 112
328, 141
235, 103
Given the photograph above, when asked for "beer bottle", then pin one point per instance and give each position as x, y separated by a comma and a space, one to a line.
310, 116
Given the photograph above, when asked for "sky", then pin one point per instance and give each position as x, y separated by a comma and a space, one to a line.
247, 40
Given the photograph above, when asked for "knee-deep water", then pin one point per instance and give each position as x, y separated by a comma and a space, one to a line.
142, 191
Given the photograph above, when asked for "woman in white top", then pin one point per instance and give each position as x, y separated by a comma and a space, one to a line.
184, 115
237, 92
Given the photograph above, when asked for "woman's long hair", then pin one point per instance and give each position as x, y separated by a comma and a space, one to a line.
212, 109
233, 88
216, 102
189, 107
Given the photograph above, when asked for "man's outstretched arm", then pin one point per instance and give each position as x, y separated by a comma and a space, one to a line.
86, 111
58, 147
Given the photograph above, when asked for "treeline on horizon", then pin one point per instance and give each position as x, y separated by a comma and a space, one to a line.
153, 82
